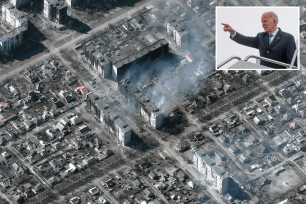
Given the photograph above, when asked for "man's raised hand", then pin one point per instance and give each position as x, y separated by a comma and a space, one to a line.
228, 28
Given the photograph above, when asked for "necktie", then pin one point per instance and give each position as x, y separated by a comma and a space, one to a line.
270, 38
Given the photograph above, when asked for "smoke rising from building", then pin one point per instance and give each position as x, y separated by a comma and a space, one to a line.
142, 53
167, 79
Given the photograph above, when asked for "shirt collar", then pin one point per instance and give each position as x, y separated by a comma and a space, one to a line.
275, 32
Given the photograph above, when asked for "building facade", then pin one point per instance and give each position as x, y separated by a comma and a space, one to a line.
178, 34
11, 40
176, 31
212, 172
14, 17
55, 10
18, 23
108, 117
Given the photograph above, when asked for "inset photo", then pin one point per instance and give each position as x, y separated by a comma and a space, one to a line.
251, 38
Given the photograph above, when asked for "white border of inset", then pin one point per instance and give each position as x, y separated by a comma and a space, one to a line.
249, 26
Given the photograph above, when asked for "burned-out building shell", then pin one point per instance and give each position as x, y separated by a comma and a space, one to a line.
107, 64
144, 106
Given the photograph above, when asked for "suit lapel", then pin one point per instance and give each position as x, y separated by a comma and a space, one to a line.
276, 38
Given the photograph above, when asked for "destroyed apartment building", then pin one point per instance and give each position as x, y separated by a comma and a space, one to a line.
11, 36
105, 115
55, 10
146, 108
115, 51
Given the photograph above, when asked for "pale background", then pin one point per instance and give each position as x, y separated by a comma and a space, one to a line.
247, 21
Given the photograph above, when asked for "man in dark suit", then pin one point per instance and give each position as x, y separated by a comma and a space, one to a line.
273, 43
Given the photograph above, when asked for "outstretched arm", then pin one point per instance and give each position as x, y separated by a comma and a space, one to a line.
245, 40
239, 38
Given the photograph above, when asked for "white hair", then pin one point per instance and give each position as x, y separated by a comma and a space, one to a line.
272, 15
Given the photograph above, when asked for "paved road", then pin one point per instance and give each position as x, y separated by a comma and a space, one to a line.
155, 191
35, 174
58, 153
2, 195
106, 193
29, 135
283, 163
185, 166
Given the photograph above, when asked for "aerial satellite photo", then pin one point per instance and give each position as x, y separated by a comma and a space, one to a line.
125, 102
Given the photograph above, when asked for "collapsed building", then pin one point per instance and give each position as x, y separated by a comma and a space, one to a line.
105, 115
55, 10
211, 171
113, 52
18, 24
144, 106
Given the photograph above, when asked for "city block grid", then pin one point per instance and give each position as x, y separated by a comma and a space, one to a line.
119, 102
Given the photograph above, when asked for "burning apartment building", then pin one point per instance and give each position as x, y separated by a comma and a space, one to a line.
113, 52
18, 24
211, 171
105, 115
55, 10
144, 106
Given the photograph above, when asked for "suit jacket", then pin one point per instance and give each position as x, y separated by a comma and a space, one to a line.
281, 48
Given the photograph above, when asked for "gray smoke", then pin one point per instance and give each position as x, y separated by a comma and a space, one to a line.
168, 79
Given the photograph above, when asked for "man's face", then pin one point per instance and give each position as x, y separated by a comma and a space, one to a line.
269, 24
